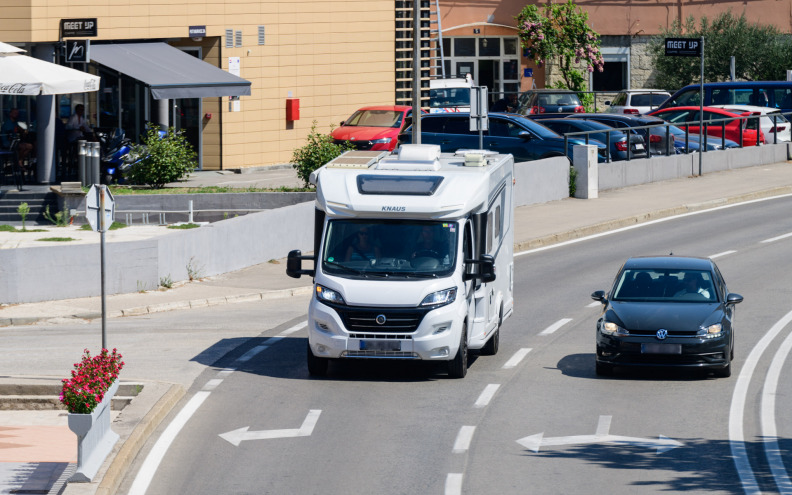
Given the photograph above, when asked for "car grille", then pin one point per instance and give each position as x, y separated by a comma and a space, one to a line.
652, 333
364, 320
359, 145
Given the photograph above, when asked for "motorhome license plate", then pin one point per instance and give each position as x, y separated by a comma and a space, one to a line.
380, 345
661, 348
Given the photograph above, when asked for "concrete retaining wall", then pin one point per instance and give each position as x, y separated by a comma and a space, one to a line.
541, 181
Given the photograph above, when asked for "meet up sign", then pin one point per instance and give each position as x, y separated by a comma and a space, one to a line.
79, 28
683, 47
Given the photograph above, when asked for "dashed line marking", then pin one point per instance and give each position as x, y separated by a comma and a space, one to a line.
555, 326
773, 239
486, 396
453, 485
463, 439
212, 384
516, 358
725, 253
594, 304
249, 354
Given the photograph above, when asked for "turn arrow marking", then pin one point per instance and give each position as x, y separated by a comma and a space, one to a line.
236, 437
662, 444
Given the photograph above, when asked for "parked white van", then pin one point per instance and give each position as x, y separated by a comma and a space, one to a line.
413, 256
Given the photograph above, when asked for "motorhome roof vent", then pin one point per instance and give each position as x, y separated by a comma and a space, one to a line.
414, 157
357, 159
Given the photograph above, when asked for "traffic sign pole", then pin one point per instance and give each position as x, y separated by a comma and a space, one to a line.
102, 229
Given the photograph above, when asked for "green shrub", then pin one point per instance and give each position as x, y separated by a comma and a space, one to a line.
164, 159
23, 209
319, 150
572, 181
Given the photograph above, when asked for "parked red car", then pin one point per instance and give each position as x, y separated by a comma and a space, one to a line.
374, 128
689, 117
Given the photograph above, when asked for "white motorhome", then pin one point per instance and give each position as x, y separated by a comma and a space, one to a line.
450, 95
406, 252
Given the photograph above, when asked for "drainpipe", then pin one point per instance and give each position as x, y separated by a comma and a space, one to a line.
45, 127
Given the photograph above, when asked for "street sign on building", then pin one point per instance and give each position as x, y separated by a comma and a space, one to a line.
93, 207
682, 47
79, 28
78, 51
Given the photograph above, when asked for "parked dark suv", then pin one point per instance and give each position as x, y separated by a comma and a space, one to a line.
525, 139
539, 103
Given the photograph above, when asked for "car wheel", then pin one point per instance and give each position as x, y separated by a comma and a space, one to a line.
492, 345
457, 367
603, 369
316, 366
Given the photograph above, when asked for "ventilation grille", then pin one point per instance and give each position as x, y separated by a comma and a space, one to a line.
229, 38
261, 35
238, 39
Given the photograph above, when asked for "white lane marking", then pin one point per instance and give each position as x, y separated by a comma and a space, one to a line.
725, 253
249, 354
594, 304
463, 439
453, 485
602, 435
736, 411
773, 239
555, 326
644, 224
237, 436
518, 356
769, 431
486, 396
295, 328
152, 462
225, 372
212, 384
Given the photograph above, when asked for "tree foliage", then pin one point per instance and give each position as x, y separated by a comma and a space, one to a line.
559, 32
162, 158
761, 52
318, 150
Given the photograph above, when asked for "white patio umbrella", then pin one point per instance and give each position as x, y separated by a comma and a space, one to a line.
28, 76
6, 48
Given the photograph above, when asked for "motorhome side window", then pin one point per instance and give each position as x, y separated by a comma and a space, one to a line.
390, 248
495, 226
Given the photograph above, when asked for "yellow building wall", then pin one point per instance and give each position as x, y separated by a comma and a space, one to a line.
333, 56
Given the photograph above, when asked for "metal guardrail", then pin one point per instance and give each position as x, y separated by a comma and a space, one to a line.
145, 215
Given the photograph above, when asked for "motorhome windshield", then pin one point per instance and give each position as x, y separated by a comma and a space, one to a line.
449, 97
390, 248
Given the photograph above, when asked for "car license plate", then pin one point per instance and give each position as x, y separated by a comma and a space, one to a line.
661, 348
639, 146
380, 345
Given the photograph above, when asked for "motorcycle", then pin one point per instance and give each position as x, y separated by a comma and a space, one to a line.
114, 148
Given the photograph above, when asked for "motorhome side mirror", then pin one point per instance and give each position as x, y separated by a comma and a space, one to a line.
294, 264
598, 296
485, 271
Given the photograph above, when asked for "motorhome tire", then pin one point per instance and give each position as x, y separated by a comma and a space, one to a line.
457, 367
316, 366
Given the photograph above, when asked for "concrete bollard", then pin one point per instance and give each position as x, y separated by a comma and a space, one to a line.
96, 176
584, 160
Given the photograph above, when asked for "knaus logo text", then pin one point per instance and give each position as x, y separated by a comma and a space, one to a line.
394, 208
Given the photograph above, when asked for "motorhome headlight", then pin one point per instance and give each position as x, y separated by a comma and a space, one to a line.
440, 298
328, 295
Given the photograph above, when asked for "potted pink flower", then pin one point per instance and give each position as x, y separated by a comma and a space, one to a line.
87, 396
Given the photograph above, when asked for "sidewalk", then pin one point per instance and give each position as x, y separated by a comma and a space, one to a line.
535, 226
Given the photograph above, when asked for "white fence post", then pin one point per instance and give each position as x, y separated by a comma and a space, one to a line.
584, 161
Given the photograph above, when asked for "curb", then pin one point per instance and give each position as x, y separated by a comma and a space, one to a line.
646, 217
129, 450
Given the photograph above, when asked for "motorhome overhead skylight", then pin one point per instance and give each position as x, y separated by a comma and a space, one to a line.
398, 185
357, 159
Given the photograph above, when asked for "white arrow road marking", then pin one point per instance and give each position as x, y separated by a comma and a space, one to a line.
236, 437
662, 444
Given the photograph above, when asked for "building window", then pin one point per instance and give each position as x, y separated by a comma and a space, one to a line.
493, 61
616, 73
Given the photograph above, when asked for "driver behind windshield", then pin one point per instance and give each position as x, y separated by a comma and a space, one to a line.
428, 244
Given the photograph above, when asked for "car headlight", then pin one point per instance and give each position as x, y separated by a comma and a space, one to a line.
440, 298
610, 328
711, 331
381, 141
328, 295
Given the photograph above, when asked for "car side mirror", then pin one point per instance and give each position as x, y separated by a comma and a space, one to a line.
342, 122
599, 295
525, 135
607, 102
294, 264
732, 298
485, 271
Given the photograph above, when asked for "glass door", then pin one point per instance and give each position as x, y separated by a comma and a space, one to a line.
187, 117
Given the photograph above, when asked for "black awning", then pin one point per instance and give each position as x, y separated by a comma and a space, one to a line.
170, 72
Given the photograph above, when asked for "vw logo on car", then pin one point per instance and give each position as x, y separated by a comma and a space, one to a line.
662, 334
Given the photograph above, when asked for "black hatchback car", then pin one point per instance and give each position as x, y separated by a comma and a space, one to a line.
667, 311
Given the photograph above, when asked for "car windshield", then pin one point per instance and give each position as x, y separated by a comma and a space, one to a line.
560, 99
647, 100
666, 285
384, 248
375, 118
449, 97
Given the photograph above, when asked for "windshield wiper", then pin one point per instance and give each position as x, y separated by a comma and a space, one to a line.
346, 268
379, 274
420, 275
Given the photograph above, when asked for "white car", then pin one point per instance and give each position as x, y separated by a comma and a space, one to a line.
637, 101
765, 121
